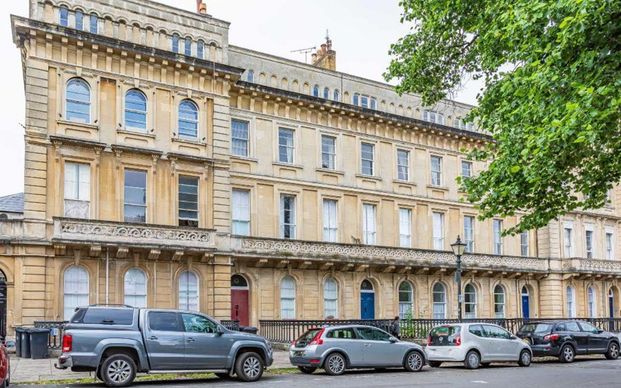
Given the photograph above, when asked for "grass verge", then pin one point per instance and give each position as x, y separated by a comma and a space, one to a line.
152, 377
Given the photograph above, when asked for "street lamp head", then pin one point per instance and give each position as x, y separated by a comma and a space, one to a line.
458, 247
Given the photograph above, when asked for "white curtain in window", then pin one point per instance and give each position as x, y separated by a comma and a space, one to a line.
470, 301
135, 286
287, 298
571, 302
330, 298
330, 227
592, 302
368, 224
438, 231
439, 301
75, 289
241, 212
405, 228
499, 301
77, 190
188, 291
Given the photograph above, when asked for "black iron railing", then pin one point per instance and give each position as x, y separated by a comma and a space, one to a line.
230, 324
285, 331
55, 339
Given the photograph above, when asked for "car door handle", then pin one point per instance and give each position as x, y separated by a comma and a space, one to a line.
191, 339
153, 338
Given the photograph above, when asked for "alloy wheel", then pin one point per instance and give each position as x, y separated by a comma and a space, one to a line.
252, 367
336, 364
568, 353
119, 371
613, 351
415, 361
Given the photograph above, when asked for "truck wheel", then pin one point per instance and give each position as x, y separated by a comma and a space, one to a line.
118, 370
249, 366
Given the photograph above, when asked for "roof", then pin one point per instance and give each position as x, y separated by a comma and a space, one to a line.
13, 203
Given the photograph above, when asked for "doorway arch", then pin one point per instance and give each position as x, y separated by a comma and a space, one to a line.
367, 300
239, 299
525, 303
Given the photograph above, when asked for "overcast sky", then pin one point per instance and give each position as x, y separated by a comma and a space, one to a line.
361, 31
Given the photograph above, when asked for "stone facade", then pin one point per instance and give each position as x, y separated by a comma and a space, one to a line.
319, 188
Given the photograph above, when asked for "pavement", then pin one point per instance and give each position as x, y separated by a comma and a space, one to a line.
28, 370
549, 374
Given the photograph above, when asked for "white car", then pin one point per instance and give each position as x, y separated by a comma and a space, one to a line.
475, 344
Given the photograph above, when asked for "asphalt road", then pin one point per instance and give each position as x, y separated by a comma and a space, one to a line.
585, 373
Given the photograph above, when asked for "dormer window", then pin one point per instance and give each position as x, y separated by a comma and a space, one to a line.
373, 103
433, 117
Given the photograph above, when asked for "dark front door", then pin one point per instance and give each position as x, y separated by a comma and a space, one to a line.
611, 304
239, 306
367, 305
525, 306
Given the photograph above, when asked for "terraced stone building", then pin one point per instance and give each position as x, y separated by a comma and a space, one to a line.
167, 168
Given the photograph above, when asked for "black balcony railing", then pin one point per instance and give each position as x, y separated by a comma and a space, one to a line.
285, 331
57, 328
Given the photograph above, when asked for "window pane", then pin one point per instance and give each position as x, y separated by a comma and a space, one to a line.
241, 212
287, 216
469, 233
135, 110
188, 200
330, 227
405, 228
79, 20
164, 321
287, 298
135, 196
188, 119
76, 290
436, 170
135, 287
438, 230
330, 298
239, 131
403, 162
285, 145
368, 224
78, 101
94, 23
188, 291
64, 16
367, 158
328, 152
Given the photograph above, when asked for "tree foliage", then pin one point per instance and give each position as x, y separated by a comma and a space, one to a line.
552, 98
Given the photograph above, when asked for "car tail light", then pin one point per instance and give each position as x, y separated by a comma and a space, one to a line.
457, 340
429, 341
317, 340
67, 343
551, 337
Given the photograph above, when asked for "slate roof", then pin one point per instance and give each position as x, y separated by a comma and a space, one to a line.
13, 203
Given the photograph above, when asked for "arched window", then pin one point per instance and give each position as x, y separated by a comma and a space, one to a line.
330, 298
591, 300
287, 298
135, 110
175, 43
200, 49
63, 16
78, 101
373, 103
439, 301
250, 76
356, 98
499, 301
94, 23
326, 93
571, 302
188, 291
135, 287
470, 302
337, 95
316, 90
188, 46
79, 20
75, 289
406, 300
188, 119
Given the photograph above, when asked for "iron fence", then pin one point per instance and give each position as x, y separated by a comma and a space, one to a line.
57, 328
285, 331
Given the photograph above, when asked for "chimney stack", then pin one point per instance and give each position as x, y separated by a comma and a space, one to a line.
325, 57
201, 7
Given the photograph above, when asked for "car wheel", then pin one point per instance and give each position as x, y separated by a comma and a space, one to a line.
613, 351
525, 358
414, 361
223, 376
307, 369
473, 360
335, 364
249, 366
435, 364
567, 354
118, 370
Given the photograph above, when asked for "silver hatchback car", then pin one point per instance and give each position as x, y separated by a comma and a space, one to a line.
337, 348
475, 344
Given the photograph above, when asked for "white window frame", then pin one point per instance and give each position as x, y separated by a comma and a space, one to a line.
330, 298
470, 304
497, 233
568, 239
469, 164
405, 227
287, 297
240, 213
134, 292
369, 223
189, 293
198, 199
403, 170
610, 244
571, 301
363, 159
591, 302
289, 149
433, 116
469, 233
439, 310
245, 141
330, 156
77, 204
437, 221
76, 290
436, 173
406, 307
524, 243
589, 241
499, 307
292, 216
330, 220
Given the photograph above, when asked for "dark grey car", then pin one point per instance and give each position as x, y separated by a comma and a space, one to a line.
338, 348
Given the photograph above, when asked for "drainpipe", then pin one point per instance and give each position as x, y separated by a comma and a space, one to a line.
108, 275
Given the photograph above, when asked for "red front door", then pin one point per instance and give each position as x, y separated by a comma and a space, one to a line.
239, 306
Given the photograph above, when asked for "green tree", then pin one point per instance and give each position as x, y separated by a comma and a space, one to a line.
552, 76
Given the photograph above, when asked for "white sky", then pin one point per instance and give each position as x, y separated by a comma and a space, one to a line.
361, 32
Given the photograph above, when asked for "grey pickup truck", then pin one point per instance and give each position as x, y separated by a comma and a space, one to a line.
117, 342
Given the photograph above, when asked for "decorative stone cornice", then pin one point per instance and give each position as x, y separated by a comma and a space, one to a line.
68, 230
302, 250
580, 265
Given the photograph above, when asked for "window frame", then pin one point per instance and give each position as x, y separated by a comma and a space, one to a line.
136, 292
185, 119
406, 307
146, 193
68, 101
190, 296
240, 221
329, 299
292, 299
403, 170
524, 243
180, 209
289, 149
470, 304
405, 231
500, 314
369, 229
63, 16
469, 169
436, 174
443, 304
438, 242
326, 154
371, 161
330, 224
80, 293
86, 199
292, 224
236, 139
610, 245
126, 110
469, 233
497, 241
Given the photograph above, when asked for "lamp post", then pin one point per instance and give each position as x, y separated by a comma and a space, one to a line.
458, 248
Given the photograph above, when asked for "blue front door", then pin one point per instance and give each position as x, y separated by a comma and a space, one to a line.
367, 305
525, 306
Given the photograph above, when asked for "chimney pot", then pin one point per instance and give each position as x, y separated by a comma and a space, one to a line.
201, 7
